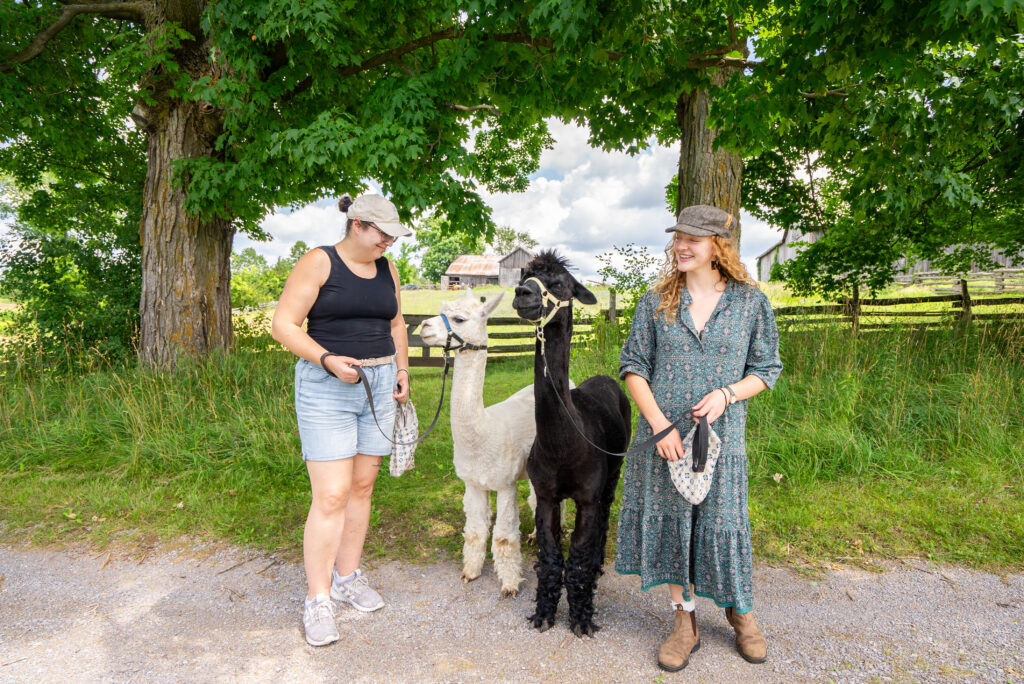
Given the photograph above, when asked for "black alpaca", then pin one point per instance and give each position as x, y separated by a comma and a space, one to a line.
562, 464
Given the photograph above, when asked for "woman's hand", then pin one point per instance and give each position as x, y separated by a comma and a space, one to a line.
712, 405
341, 367
670, 447
402, 393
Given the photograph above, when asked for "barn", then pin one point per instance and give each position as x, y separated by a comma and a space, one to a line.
781, 252
511, 266
471, 270
474, 270
784, 250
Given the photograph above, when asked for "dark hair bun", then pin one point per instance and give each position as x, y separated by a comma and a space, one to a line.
344, 203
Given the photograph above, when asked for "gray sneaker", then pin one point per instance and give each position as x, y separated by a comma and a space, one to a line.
318, 619
356, 592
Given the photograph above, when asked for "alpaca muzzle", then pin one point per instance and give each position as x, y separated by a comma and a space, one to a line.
546, 299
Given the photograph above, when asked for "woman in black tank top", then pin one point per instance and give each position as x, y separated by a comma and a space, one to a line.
351, 295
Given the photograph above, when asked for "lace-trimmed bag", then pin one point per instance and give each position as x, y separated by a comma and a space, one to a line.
693, 474
407, 426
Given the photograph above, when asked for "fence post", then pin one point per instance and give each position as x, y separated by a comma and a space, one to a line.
965, 312
613, 315
851, 307
1000, 280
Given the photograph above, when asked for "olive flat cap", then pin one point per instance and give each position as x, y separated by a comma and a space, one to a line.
703, 220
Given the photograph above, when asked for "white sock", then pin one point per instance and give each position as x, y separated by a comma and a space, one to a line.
338, 579
317, 599
688, 606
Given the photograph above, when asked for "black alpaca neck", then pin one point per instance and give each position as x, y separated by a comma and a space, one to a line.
558, 340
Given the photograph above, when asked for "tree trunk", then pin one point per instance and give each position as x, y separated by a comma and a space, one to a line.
706, 175
186, 298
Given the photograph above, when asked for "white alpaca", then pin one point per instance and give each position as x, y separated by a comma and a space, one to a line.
491, 444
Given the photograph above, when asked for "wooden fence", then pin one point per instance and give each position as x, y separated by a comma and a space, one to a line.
939, 310
998, 281
516, 338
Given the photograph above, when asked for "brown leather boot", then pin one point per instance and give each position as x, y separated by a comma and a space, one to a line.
674, 654
749, 640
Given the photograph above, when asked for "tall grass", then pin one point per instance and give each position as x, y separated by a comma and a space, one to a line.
899, 442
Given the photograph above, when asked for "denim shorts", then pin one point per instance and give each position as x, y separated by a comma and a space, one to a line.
334, 416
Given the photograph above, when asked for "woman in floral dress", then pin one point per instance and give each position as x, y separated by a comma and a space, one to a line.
703, 341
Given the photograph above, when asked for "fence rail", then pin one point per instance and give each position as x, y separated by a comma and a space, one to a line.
999, 280
431, 356
860, 314
941, 309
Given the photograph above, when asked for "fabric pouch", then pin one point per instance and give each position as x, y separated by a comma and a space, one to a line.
407, 426
693, 473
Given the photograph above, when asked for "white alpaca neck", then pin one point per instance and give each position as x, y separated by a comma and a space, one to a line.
468, 395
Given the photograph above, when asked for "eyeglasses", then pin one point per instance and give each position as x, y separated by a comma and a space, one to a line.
383, 236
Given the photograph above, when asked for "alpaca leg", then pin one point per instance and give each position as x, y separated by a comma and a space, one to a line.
549, 564
581, 570
508, 559
531, 500
607, 498
477, 506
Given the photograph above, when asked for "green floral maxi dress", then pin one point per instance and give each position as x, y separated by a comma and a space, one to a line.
661, 536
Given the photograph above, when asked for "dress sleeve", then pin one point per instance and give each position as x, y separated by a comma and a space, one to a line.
637, 354
763, 353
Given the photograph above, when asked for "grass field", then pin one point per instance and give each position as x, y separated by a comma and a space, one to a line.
899, 442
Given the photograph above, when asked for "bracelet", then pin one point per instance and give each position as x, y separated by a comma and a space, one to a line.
403, 369
324, 356
725, 394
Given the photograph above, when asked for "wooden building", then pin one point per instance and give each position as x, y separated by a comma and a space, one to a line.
784, 250
471, 270
511, 266
474, 270
781, 252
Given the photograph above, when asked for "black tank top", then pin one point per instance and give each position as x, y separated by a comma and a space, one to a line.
352, 315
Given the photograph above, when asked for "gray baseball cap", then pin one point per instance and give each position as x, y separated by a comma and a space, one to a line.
379, 211
703, 220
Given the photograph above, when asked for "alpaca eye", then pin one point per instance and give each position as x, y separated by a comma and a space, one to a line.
459, 319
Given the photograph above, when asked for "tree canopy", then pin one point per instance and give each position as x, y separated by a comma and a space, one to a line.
895, 130
190, 120
241, 107
506, 239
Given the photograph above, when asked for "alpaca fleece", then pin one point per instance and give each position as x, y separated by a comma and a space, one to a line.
490, 444
562, 464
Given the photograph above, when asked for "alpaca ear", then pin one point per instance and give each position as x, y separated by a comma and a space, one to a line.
491, 304
469, 293
583, 294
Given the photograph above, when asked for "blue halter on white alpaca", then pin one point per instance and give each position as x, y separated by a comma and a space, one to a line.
463, 345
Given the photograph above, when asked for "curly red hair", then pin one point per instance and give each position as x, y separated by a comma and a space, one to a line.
726, 260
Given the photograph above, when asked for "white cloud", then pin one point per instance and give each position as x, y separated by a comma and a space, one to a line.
582, 202
315, 224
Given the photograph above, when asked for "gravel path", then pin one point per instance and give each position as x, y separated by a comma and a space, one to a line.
200, 613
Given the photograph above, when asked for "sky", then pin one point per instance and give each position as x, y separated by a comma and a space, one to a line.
582, 202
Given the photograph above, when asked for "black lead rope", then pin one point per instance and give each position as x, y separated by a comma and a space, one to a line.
452, 335
644, 446
539, 324
373, 410
700, 445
